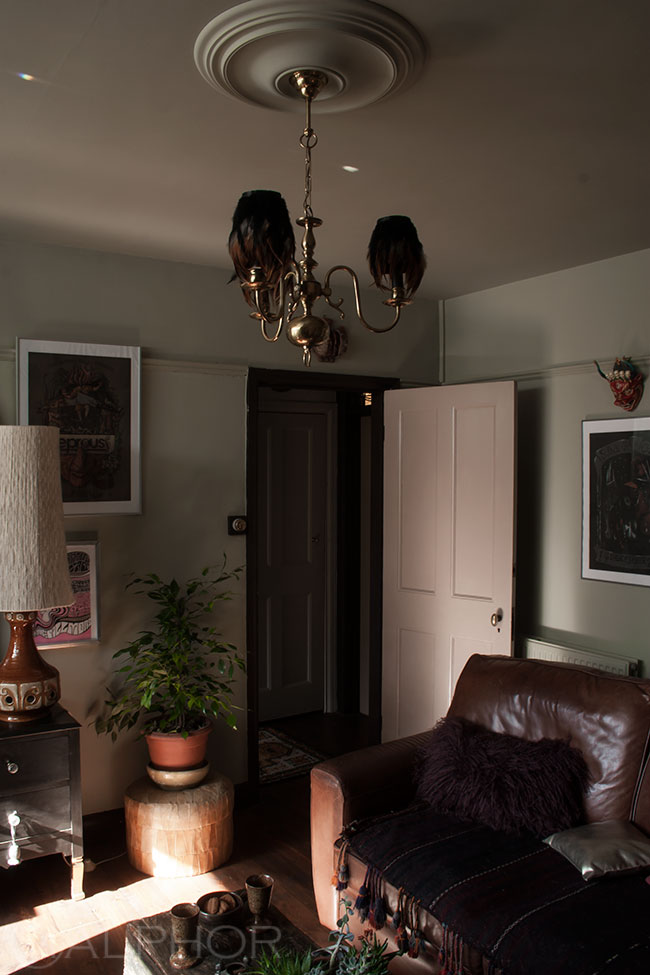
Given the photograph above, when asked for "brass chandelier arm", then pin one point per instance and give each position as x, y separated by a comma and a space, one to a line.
266, 336
357, 300
265, 316
289, 284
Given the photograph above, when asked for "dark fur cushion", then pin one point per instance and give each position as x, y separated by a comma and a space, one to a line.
502, 781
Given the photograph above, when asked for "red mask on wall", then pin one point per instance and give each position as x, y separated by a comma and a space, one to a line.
625, 382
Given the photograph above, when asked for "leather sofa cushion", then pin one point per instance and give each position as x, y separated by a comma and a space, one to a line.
513, 900
605, 716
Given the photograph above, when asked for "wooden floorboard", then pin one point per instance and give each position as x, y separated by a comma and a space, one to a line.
44, 931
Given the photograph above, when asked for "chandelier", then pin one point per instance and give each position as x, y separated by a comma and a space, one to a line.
282, 291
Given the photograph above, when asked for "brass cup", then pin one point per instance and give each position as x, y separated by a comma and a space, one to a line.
185, 921
259, 888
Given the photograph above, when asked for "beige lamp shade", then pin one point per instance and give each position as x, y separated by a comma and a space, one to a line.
34, 571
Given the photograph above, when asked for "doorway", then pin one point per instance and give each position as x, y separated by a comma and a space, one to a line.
320, 649
295, 514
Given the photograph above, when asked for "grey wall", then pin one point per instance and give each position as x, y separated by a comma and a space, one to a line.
197, 342
545, 332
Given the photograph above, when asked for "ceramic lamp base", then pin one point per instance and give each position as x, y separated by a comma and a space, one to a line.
28, 685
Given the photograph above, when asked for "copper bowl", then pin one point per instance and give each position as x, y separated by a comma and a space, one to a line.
221, 907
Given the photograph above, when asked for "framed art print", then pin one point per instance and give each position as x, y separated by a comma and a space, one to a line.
92, 394
79, 623
616, 500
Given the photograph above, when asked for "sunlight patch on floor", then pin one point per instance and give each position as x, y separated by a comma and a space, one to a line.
66, 927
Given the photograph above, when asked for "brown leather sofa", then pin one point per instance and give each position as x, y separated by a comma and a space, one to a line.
606, 716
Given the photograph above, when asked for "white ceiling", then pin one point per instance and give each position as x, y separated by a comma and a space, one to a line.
523, 147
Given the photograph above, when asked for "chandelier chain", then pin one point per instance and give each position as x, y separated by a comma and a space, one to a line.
308, 141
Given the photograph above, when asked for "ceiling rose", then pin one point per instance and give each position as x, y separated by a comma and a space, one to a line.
366, 50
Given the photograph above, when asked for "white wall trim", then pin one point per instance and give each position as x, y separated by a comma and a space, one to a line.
562, 369
170, 365
195, 366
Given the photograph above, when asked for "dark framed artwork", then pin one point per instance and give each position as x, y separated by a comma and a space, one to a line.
92, 393
69, 625
616, 500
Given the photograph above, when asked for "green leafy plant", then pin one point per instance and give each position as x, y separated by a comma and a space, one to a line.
342, 938
371, 957
286, 963
180, 673
343, 957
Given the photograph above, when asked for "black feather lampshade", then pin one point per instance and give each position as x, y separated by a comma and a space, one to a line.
395, 254
261, 237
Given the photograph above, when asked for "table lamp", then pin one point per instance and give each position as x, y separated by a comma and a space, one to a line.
34, 572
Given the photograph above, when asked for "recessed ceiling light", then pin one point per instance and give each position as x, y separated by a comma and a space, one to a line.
351, 169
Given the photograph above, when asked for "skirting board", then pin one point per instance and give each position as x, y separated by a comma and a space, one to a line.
613, 663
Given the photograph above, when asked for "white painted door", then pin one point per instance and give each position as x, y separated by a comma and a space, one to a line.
294, 512
449, 502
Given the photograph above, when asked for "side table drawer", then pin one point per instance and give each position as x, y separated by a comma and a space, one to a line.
25, 763
42, 812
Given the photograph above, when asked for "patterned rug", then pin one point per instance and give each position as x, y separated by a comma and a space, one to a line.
282, 758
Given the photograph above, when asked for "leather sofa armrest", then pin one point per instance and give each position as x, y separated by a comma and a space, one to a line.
363, 783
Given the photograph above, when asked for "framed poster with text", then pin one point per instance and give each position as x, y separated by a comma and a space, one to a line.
92, 394
616, 500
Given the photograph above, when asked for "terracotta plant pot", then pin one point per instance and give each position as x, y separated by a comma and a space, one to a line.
172, 751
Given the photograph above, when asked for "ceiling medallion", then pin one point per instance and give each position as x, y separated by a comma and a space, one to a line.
252, 51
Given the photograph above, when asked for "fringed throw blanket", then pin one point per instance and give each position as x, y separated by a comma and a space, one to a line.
521, 904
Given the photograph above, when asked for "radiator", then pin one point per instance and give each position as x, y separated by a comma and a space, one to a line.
614, 663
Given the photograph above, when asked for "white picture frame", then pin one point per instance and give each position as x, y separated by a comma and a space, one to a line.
92, 393
616, 500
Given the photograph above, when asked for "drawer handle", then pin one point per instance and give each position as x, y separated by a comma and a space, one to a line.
13, 853
12, 767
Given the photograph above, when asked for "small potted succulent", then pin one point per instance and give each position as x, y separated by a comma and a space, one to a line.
342, 957
178, 675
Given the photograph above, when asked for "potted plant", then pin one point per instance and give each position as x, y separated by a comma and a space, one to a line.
343, 957
177, 675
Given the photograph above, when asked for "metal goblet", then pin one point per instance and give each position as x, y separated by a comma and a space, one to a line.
259, 888
185, 920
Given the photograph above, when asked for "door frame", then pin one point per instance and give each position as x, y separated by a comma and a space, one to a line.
340, 383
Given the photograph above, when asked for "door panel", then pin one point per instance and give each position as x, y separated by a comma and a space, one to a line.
448, 542
473, 503
417, 504
293, 577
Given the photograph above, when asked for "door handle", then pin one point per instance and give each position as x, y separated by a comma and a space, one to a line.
496, 618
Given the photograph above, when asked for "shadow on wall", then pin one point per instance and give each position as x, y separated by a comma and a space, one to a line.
529, 527
481, 347
420, 364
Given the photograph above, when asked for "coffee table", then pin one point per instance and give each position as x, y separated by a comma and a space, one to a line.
149, 943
